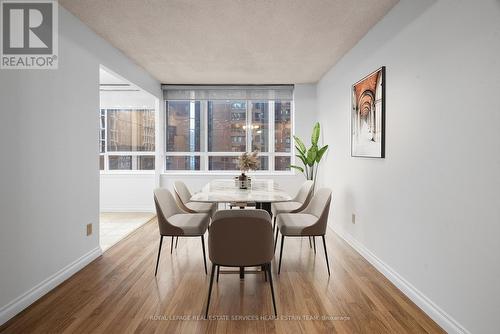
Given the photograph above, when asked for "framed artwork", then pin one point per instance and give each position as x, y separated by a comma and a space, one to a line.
368, 116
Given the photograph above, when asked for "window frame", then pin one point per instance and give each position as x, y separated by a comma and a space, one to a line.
204, 154
106, 153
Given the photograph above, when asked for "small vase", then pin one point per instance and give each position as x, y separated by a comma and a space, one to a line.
243, 181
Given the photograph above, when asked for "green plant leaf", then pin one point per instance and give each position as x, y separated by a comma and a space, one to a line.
300, 150
315, 134
297, 167
311, 155
300, 144
320, 153
302, 158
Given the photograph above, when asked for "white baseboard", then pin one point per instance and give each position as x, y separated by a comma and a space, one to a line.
26, 299
442, 318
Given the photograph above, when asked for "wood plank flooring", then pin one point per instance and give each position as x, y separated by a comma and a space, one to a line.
118, 293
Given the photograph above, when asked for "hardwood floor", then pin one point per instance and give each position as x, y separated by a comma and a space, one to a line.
118, 293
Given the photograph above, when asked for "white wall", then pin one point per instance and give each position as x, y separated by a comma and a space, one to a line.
127, 192
306, 113
121, 191
126, 99
305, 117
50, 174
429, 211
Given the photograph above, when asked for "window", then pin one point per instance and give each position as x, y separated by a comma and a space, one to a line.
183, 126
127, 139
227, 126
282, 135
208, 128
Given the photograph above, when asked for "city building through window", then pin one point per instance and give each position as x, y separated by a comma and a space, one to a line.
208, 128
127, 139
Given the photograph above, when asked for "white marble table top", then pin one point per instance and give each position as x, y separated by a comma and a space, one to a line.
226, 190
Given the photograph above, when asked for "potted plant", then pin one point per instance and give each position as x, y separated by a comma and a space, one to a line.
247, 161
309, 157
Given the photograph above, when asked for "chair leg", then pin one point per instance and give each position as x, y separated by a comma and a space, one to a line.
172, 245
218, 271
272, 288
281, 252
274, 223
314, 244
310, 245
159, 251
210, 289
326, 255
176, 241
204, 256
276, 239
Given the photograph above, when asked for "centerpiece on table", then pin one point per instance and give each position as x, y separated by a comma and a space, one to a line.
247, 161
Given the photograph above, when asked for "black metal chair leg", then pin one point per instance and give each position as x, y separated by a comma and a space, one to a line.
210, 289
204, 256
218, 271
326, 255
310, 245
264, 269
281, 252
314, 244
272, 288
274, 223
172, 245
159, 251
276, 239
176, 241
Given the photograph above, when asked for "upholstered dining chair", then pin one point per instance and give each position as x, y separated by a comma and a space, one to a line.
183, 196
241, 238
297, 204
310, 222
173, 222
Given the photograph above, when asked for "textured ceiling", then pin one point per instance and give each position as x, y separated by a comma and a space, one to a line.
232, 41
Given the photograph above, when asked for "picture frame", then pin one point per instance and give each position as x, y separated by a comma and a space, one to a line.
368, 115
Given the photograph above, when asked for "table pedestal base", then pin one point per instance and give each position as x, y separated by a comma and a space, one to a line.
264, 206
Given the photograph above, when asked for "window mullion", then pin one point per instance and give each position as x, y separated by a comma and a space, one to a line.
271, 134
106, 162
249, 127
292, 141
204, 149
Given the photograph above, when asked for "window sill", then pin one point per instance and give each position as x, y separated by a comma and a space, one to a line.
221, 173
128, 172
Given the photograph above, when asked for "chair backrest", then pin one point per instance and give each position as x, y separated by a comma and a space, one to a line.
182, 191
182, 195
319, 207
166, 207
304, 195
240, 238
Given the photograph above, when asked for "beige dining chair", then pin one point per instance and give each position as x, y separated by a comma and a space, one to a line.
173, 222
310, 222
183, 196
297, 204
241, 238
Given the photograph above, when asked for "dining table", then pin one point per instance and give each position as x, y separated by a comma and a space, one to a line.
262, 192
